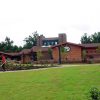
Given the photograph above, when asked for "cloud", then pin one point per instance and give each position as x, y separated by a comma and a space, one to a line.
19, 18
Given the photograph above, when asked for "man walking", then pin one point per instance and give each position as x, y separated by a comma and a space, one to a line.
3, 62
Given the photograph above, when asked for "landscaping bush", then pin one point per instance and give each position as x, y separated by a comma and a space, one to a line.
94, 94
40, 64
91, 61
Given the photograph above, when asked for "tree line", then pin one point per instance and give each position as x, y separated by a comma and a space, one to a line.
31, 40
94, 38
8, 45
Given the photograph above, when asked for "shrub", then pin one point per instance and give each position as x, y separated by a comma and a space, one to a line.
94, 94
35, 65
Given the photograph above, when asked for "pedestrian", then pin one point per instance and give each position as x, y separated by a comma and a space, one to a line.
3, 62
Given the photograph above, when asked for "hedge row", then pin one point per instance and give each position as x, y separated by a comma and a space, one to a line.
10, 66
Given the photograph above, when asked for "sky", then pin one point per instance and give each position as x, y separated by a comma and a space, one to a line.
20, 18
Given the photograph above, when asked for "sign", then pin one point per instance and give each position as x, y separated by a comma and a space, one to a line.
67, 48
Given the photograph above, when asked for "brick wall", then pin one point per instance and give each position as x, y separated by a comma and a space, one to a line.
92, 53
62, 38
45, 56
25, 58
74, 55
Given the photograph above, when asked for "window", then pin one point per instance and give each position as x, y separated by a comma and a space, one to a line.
67, 48
56, 43
44, 43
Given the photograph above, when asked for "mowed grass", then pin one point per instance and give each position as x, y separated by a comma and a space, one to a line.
70, 83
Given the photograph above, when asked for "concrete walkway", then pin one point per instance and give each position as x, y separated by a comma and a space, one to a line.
59, 66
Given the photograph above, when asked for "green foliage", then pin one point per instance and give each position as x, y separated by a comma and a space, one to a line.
50, 52
39, 55
7, 46
63, 50
86, 39
91, 61
84, 55
94, 94
11, 66
31, 40
94, 38
63, 53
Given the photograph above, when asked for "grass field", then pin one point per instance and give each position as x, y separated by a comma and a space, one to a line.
68, 83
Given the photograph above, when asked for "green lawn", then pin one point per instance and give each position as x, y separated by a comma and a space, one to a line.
70, 83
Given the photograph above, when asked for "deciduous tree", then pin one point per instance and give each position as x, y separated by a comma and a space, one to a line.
31, 41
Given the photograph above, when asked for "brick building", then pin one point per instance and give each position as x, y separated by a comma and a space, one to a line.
92, 51
74, 52
42, 41
29, 55
43, 45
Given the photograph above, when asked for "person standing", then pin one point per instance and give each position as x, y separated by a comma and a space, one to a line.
3, 62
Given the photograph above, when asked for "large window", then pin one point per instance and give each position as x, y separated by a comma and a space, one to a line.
49, 42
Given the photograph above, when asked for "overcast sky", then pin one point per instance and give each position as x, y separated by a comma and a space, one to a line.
20, 18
